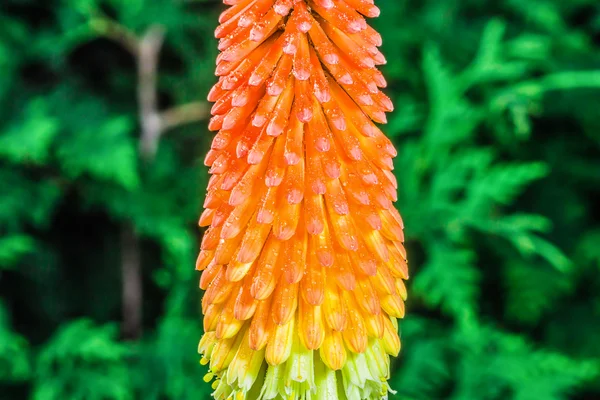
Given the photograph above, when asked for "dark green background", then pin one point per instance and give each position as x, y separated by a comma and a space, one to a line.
497, 124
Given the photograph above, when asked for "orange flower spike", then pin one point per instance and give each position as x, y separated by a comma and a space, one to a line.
303, 261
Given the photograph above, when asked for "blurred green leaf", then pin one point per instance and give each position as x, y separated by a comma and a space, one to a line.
29, 140
449, 280
114, 155
13, 247
532, 290
83, 361
15, 362
24, 200
171, 363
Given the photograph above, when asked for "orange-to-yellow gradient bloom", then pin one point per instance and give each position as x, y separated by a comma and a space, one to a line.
303, 262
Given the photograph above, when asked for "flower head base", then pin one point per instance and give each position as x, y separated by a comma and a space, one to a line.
304, 375
303, 262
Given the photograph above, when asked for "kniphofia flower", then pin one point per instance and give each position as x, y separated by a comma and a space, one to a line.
303, 261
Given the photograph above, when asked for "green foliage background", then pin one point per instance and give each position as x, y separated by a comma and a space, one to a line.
497, 123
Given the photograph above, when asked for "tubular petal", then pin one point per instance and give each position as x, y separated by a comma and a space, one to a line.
312, 329
259, 327
265, 279
355, 335
312, 284
285, 301
295, 255
245, 305
280, 345
333, 351
334, 308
